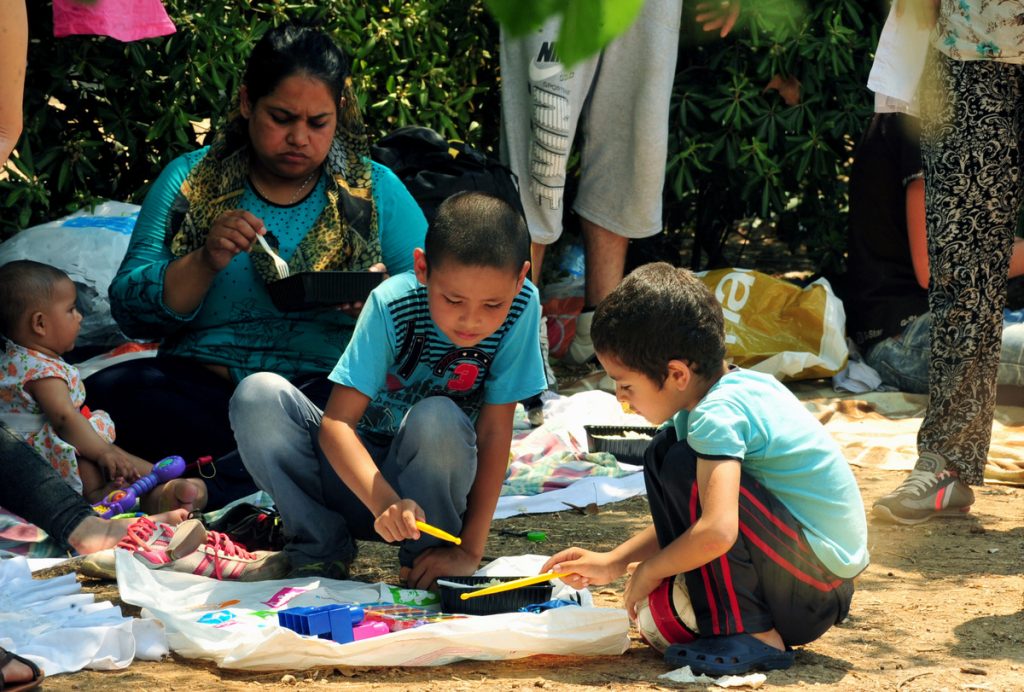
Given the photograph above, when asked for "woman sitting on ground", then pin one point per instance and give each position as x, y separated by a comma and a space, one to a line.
885, 291
293, 166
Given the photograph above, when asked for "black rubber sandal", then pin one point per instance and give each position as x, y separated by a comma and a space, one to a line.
733, 654
37, 675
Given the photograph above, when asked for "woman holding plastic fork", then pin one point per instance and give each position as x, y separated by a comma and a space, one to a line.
293, 166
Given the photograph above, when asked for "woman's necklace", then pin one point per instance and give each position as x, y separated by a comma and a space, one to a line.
305, 184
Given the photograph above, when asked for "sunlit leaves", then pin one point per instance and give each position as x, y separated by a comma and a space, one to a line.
586, 25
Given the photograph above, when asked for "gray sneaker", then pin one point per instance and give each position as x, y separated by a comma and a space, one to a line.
545, 352
581, 348
931, 490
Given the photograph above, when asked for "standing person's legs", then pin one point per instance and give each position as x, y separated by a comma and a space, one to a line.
537, 252
973, 207
605, 252
625, 126
624, 149
541, 105
970, 147
770, 579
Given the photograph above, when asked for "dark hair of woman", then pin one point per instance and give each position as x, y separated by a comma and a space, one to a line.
290, 49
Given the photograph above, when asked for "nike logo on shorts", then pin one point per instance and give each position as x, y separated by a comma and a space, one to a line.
539, 74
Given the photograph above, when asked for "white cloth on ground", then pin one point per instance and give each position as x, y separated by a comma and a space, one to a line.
51, 623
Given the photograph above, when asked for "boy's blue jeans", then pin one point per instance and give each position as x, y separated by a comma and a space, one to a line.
431, 460
902, 361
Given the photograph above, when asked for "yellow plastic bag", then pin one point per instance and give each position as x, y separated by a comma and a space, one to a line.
776, 327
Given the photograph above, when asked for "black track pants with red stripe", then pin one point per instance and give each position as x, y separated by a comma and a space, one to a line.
770, 577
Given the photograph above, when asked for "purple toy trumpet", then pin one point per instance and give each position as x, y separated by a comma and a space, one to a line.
124, 499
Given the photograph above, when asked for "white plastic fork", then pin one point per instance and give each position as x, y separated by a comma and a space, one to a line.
279, 264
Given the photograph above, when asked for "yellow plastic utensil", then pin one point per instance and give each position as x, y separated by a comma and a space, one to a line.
514, 584
437, 533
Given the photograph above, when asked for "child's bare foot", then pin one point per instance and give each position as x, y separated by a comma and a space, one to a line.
94, 534
771, 637
181, 493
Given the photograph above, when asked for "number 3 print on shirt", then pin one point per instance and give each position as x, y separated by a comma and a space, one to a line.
466, 373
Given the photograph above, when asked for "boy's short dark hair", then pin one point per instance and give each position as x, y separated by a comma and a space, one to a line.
477, 229
657, 314
23, 285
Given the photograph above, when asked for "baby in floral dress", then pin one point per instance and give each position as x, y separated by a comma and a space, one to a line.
42, 396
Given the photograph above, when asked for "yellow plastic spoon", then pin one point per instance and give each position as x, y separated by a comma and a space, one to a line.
514, 584
437, 533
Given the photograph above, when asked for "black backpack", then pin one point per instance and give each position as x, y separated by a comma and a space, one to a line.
256, 528
433, 168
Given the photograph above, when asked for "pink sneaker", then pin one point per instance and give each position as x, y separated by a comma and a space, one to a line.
218, 557
145, 538
162, 546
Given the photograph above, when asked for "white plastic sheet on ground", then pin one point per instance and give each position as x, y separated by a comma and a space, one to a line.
62, 630
246, 635
595, 490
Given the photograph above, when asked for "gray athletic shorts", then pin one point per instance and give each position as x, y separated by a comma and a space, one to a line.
620, 100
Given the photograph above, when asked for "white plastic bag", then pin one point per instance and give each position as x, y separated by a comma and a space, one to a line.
88, 246
246, 635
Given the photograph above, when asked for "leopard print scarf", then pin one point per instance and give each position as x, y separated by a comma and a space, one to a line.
345, 235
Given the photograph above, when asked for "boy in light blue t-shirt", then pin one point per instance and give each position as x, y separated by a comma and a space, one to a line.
752, 502
419, 422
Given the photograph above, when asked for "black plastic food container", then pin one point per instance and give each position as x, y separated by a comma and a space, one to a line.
504, 602
308, 290
613, 439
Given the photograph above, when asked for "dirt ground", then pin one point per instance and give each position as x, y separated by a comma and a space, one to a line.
940, 608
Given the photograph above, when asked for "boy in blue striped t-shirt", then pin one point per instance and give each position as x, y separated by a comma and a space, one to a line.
419, 423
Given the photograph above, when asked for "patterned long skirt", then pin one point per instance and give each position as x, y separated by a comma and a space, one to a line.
973, 118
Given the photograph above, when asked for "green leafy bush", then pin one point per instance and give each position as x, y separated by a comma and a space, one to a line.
104, 117
742, 161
